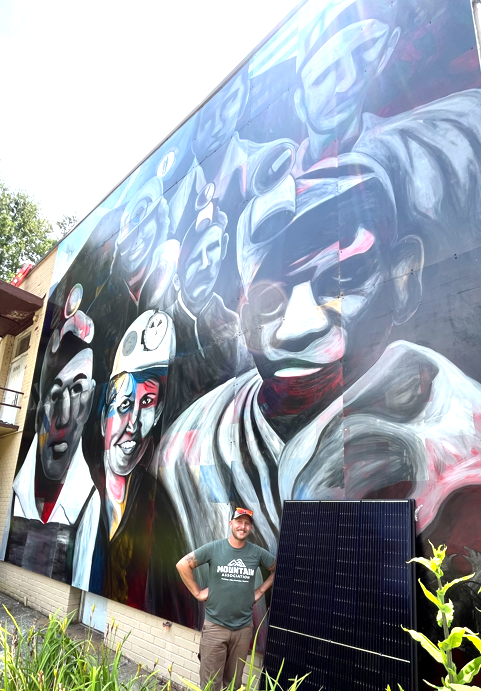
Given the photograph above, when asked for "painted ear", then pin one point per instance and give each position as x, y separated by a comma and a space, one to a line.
89, 404
392, 43
300, 105
225, 243
103, 421
406, 275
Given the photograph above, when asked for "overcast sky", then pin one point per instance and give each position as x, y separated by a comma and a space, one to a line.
90, 88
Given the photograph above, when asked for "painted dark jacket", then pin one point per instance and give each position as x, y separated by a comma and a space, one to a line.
209, 351
62, 546
139, 561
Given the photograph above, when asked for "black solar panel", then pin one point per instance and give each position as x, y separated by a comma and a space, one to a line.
342, 590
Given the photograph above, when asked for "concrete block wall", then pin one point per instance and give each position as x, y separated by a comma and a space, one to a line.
43, 594
149, 642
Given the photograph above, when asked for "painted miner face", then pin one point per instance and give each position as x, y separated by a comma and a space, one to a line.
218, 118
62, 414
335, 80
199, 269
133, 408
320, 283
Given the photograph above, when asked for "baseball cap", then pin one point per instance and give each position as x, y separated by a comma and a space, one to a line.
238, 512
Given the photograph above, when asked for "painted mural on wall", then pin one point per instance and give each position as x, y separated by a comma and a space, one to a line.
282, 302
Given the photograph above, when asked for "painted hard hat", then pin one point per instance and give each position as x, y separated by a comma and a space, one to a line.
148, 342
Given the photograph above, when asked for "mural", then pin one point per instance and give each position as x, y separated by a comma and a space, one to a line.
281, 302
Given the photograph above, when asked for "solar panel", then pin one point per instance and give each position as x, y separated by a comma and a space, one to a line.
342, 591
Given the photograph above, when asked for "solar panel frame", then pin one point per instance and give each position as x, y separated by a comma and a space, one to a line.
341, 592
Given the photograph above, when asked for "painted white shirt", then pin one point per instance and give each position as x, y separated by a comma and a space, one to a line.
70, 502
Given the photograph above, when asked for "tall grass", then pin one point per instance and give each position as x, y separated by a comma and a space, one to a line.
48, 659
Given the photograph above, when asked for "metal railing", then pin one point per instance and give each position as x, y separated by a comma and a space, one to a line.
9, 405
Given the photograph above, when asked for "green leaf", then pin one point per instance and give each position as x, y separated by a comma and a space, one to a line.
454, 639
427, 645
430, 596
475, 640
462, 687
469, 671
423, 561
445, 588
448, 610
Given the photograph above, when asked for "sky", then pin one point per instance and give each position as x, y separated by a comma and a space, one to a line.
90, 88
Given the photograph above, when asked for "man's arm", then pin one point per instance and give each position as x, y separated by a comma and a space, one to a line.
185, 567
264, 587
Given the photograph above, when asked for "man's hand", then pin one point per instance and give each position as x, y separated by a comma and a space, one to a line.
203, 595
185, 568
258, 593
264, 587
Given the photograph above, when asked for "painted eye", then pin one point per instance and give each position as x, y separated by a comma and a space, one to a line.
267, 300
147, 400
76, 389
124, 406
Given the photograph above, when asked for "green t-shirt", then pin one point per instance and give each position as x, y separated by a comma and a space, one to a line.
232, 574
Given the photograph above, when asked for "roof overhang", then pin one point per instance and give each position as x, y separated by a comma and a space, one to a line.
17, 309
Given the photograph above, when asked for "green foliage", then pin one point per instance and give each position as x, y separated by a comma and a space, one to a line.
442, 651
24, 234
66, 224
47, 659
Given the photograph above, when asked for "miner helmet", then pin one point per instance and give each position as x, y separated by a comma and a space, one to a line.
148, 342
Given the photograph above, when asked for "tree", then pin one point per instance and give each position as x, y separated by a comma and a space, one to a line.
24, 234
66, 224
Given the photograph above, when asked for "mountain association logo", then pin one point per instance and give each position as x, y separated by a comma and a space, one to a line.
235, 570
237, 562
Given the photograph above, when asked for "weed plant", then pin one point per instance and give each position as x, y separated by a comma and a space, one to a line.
48, 659
442, 651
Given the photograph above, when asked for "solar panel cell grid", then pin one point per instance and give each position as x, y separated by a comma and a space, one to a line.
342, 591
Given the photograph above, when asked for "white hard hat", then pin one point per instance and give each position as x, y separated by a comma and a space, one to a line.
148, 342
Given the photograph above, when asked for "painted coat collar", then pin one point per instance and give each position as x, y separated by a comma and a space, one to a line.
71, 499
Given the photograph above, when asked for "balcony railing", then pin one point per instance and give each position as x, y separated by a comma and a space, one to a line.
9, 407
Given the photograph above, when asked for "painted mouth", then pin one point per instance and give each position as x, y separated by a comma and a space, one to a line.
127, 447
59, 449
297, 371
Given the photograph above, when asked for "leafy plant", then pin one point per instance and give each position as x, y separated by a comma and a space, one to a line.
48, 659
442, 652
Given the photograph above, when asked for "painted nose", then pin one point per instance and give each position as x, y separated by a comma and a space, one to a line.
217, 123
347, 74
63, 416
303, 315
204, 260
133, 423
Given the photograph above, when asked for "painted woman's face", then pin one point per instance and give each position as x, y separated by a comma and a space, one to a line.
133, 409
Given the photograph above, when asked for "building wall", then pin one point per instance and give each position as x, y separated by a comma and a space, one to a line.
272, 307
43, 594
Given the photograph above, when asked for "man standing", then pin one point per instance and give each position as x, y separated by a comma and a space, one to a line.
230, 597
